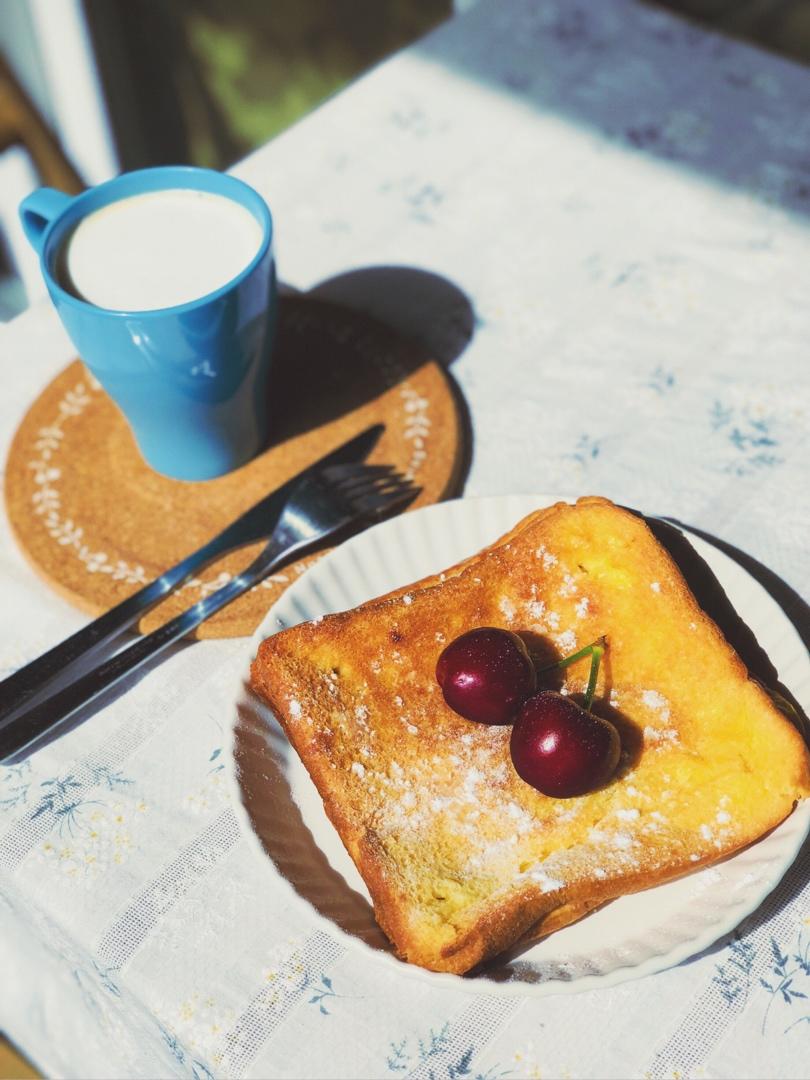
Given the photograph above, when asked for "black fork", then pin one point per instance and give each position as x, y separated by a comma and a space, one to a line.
325, 503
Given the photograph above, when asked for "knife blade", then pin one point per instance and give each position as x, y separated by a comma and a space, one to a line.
26, 684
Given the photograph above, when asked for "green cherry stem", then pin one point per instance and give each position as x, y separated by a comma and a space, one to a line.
596, 651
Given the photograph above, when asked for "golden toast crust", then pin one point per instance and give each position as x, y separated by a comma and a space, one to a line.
462, 858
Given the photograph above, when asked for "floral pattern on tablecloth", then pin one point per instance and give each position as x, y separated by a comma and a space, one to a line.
623, 200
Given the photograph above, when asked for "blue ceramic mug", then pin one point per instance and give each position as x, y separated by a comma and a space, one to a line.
191, 379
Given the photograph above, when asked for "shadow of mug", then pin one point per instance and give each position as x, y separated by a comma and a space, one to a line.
424, 307
325, 366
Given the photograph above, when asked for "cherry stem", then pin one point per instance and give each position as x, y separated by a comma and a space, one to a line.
596, 650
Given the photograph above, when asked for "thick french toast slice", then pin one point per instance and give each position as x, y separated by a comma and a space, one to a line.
461, 857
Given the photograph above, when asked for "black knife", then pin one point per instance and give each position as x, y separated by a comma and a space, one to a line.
257, 523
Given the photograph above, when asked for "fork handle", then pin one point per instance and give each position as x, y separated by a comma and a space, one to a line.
20, 732
18, 689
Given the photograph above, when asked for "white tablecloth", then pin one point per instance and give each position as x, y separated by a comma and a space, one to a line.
622, 202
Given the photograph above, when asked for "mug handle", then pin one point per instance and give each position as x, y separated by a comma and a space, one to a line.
38, 210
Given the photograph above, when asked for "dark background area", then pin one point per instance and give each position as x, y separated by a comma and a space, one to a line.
206, 81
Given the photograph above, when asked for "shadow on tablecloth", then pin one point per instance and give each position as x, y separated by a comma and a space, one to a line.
643, 79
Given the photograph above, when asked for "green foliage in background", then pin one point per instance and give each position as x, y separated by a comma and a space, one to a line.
233, 73
265, 63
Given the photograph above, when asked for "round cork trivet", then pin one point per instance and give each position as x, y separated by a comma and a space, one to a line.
97, 523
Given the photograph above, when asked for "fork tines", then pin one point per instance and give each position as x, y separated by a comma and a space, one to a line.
373, 489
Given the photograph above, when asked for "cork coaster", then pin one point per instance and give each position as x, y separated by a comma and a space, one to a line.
97, 523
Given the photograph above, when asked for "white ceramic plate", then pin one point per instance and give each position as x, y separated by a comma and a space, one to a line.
635, 935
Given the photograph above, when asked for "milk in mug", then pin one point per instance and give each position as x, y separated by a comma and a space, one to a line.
158, 249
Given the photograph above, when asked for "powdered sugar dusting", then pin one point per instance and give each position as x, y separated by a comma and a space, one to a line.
567, 641
653, 700
569, 586
473, 777
657, 735
507, 609
547, 884
620, 841
546, 557
523, 821
535, 609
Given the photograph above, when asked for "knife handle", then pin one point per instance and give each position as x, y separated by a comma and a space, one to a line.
17, 690
19, 733
257, 523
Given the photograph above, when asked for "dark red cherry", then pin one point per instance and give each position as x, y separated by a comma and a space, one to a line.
486, 675
561, 749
